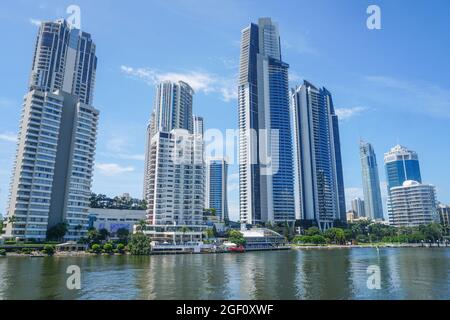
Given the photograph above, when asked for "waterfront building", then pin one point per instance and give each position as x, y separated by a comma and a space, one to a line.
266, 188
401, 165
52, 171
413, 204
216, 187
371, 182
175, 193
318, 164
358, 207
115, 219
263, 239
444, 215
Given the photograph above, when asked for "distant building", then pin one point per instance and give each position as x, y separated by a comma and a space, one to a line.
114, 219
413, 204
352, 217
216, 187
318, 164
358, 207
401, 165
371, 182
444, 215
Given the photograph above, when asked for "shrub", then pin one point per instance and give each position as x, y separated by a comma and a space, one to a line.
108, 248
26, 251
120, 247
2, 252
96, 248
49, 249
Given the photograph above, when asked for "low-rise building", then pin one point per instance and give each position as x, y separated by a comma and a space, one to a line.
263, 239
444, 215
114, 219
412, 204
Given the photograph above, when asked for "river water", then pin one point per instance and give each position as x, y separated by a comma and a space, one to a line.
404, 273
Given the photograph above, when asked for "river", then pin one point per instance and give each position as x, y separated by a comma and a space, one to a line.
405, 273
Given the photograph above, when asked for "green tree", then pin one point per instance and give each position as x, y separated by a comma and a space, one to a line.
312, 231
139, 244
141, 226
49, 249
93, 236
236, 237
103, 234
335, 235
123, 234
57, 232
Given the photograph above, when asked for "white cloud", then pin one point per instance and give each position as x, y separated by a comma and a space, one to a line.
347, 113
6, 103
118, 147
8, 137
199, 80
112, 169
35, 22
418, 96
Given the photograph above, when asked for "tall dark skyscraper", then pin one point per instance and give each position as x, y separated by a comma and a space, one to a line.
319, 176
52, 173
266, 188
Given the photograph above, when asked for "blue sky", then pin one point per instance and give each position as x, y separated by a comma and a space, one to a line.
390, 85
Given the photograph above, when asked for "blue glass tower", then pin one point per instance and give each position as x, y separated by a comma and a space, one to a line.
320, 183
266, 188
216, 187
401, 165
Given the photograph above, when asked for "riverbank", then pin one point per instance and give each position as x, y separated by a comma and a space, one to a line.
373, 245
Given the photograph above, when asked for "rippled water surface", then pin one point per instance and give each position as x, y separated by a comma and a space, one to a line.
406, 273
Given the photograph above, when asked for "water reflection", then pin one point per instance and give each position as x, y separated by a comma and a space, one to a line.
409, 273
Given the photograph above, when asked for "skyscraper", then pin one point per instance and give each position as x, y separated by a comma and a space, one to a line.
401, 165
174, 175
318, 165
173, 106
358, 207
172, 109
52, 173
175, 180
216, 187
413, 204
371, 182
266, 187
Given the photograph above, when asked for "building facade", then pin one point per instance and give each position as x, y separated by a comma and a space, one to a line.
216, 187
401, 165
373, 203
358, 207
115, 219
52, 172
173, 106
413, 204
444, 215
318, 164
175, 180
266, 186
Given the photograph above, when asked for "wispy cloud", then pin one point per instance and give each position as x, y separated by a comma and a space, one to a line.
118, 147
8, 137
415, 96
35, 22
347, 113
200, 81
113, 169
6, 103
